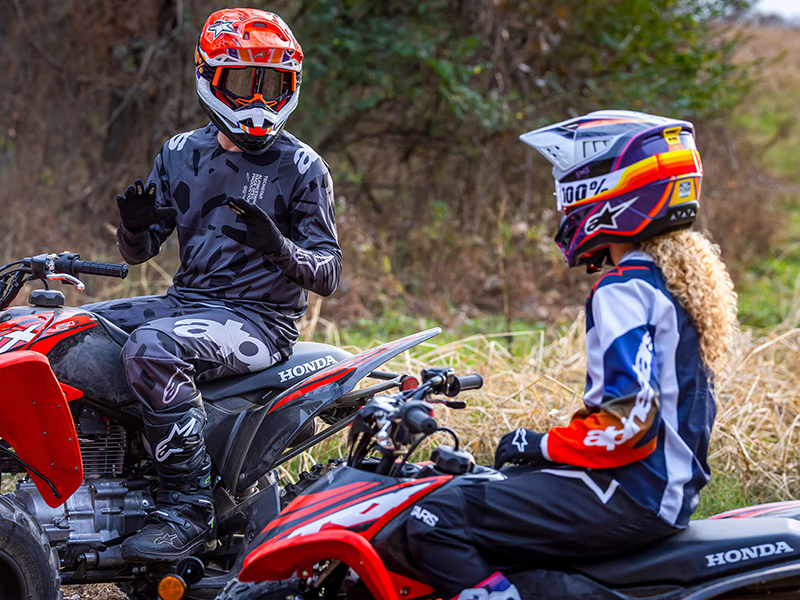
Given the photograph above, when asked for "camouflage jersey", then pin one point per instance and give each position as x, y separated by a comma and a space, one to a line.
290, 181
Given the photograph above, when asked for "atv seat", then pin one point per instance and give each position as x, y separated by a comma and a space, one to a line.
308, 358
704, 550
116, 334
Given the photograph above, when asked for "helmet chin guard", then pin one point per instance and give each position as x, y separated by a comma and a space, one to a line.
621, 177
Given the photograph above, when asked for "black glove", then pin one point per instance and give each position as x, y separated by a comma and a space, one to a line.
260, 234
137, 209
520, 446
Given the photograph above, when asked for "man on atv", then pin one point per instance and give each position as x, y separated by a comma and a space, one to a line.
254, 212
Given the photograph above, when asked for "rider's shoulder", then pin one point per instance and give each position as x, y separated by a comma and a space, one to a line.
180, 143
300, 158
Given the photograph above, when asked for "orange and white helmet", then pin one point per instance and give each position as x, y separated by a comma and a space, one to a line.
249, 69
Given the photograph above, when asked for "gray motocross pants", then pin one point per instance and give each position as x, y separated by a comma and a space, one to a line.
175, 344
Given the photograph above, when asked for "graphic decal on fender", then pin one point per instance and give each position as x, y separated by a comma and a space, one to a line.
19, 337
749, 553
367, 511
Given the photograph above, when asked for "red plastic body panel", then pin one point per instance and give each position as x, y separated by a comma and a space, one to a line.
35, 420
774, 509
278, 561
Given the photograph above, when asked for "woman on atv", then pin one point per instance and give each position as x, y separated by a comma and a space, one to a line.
629, 467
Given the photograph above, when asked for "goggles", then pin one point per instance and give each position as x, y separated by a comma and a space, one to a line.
239, 87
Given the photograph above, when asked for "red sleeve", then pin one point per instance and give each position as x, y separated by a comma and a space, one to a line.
604, 440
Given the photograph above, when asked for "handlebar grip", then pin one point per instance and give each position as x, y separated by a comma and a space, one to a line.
470, 382
419, 420
101, 268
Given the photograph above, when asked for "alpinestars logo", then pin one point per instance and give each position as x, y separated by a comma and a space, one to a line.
306, 368
520, 439
606, 218
749, 553
163, 449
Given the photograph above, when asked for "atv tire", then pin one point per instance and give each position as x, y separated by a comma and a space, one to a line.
28, 565
288, 589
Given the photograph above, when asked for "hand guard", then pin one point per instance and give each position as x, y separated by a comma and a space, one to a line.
260, 234
138, 210
518, 447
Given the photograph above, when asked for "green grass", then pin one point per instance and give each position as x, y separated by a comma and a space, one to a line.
769, 291
725, 492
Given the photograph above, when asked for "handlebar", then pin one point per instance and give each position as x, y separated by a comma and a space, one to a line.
399, 423
70, 263
470, 382
418, 419
65, 266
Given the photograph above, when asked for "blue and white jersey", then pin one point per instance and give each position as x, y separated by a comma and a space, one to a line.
649, 399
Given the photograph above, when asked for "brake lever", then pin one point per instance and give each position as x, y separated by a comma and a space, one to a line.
68, 278
456, 404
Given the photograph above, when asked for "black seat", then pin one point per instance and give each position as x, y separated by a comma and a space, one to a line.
117, 334
704, 550
308, 358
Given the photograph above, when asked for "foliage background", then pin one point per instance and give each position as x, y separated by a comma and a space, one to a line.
416, 105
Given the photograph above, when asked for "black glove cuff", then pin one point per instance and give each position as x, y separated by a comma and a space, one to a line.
132, 230
534, 452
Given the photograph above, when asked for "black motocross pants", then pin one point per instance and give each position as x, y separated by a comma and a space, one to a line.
462, 534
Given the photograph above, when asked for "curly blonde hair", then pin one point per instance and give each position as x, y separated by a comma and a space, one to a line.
698, 279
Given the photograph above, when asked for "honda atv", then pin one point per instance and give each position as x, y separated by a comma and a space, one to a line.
344, 537
70, 423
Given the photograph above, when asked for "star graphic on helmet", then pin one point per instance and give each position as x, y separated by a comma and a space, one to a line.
220, 27
607, 217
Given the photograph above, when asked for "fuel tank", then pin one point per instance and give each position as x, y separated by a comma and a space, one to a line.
82, 352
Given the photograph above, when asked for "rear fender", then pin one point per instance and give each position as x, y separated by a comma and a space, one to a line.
36, 422
260, 435
272, 562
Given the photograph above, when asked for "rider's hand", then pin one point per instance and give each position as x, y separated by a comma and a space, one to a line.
260, 234
518, 447
137, 208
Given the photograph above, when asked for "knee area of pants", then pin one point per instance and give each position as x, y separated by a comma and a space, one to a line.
146, 342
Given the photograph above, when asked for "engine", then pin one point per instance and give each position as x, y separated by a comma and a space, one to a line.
103, 508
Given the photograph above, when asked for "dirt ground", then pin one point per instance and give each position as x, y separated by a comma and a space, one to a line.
101, 591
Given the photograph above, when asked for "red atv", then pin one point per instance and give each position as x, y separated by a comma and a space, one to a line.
344, 537
70, 422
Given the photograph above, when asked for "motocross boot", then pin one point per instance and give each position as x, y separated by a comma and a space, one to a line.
495, 587
183, 519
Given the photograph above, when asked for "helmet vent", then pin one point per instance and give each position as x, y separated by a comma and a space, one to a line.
558, 156
592, 147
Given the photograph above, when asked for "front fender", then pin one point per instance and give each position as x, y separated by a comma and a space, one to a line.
271, 562
36, 422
